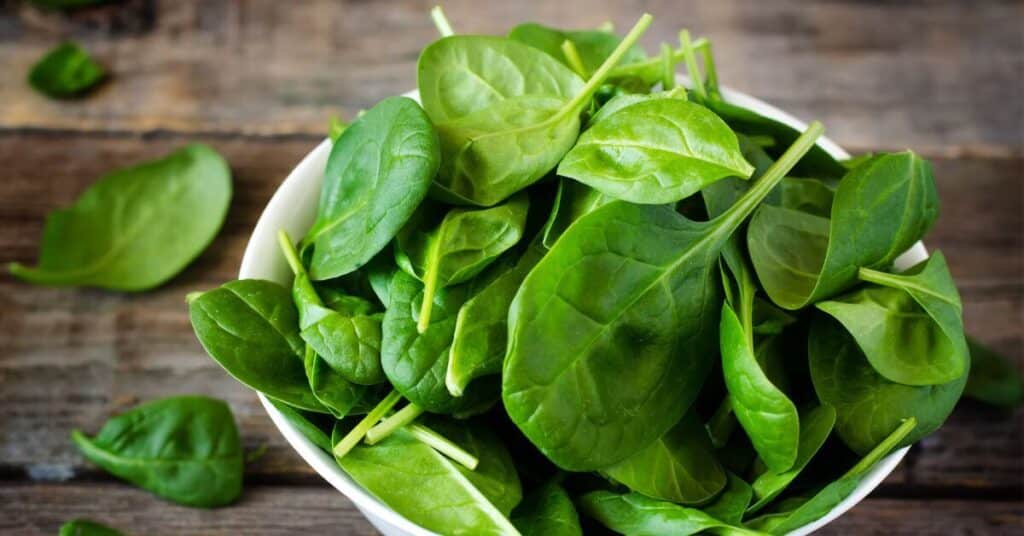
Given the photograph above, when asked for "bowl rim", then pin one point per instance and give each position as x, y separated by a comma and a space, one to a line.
262, 260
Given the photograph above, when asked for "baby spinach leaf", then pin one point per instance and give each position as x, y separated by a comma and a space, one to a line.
336, 393
506, 112
625, 100
654, 152
993, 379
593, 377
868, 406
731, 504
881, 208
184, 449
458, 246
815, 427
765, 412
594, 46
572, 201
807, 195
250, 328
65, 71
84, 527
423, 486
138, 227
679, 467
481, 327
769, 319
547, 511
416, 363
305, 424
908, 325
637, 515
378, 173
822, 502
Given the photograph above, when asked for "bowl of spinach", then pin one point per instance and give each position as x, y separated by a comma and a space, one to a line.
560, 287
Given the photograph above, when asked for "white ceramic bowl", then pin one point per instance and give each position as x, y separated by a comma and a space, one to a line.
293, 209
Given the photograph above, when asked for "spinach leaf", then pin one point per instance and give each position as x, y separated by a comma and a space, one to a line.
506, 112
378, 173
305, 423
481, 327
138, 227
330, 388
679, 467
868, 406
65, 71
993, 379
881, 208
84, 527
594, 46
769, 417
184, 449
572, 201
822, 502
815, 427
547, 511
654, 152
592, 377
250, 328
769, 319
807, 195
625, 100
416, 363
638, 515
423, 486
908, 325
731, 504
458, 246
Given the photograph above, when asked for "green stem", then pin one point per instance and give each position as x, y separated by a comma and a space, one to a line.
691, 64
709, 68
441, 22
572, 57
443, 445
290, 254
386, 427
879, 278
883, 448
356, 435
429, 285
629, 69
603, 71
668, 75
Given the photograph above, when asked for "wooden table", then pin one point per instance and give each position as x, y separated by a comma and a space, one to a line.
258, 80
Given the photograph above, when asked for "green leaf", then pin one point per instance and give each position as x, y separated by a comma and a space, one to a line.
655, 152
594, 46
481, 327
593, 377
332, 389
250, 328
769, 417
184, 449
993, 378
572, 201
83, 527
815, 427
624, 100
138, 227
506, 112
443, 249
732, 503
868, 406
547, 511
378, 173
881, 208
908, 325
305, 423
679, 467
65, 71
807, 195
637, 515
423, 486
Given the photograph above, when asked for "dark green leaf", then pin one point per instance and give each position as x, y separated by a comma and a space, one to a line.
65, 71
732, 503
83, 527
993, 379
304, 422
547, 511
637, 515
572, 201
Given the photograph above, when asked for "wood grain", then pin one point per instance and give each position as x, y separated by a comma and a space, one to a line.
937, 76
39, 509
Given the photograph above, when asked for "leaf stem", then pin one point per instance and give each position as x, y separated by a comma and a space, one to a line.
443, 445
441, 22
691, 64
290, 254
429, 285
709, 68
629, 69
602, 72
883, 448
356, 435
572, 57
879, 278
386, 427
668, 75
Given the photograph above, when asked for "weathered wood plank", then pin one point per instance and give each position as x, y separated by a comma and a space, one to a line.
932, 75
39, 509
70, 358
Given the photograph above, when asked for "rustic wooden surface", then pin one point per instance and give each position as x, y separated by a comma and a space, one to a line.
258, 79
